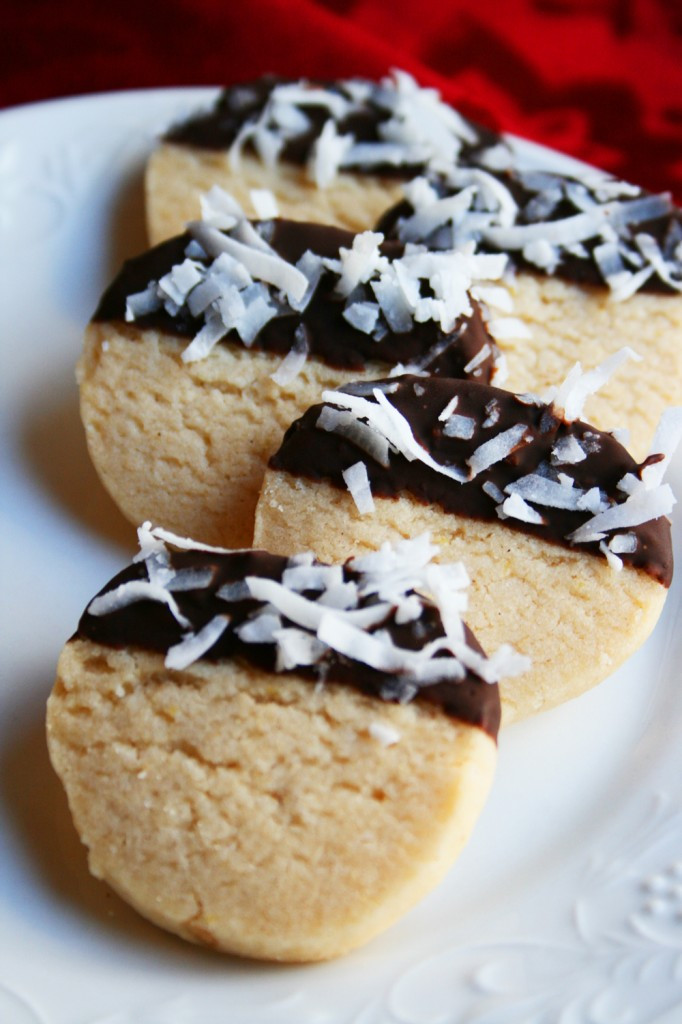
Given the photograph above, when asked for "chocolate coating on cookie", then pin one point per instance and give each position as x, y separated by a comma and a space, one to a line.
358, 108
212, 584
547, 477
594, 231
329, 336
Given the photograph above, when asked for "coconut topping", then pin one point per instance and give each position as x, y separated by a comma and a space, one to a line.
591, 228
302, 289
390, 127
384, 733
529, 466
471, 186
358, 484
388, 622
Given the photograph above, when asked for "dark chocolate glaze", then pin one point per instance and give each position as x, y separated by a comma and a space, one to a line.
667, 230
218, 128
329, 335
150, 625
322, 455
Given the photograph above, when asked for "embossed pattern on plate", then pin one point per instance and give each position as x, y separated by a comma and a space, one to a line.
567, 903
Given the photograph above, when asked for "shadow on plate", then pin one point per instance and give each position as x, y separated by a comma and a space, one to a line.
53, 441
54, 450
38, 810
93, 248
127, 234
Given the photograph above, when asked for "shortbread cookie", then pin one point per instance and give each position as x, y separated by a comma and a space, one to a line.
597, 264
273, 757
564, 534
334, 153
187, 383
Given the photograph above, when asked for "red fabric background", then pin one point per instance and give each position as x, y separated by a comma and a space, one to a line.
601, 79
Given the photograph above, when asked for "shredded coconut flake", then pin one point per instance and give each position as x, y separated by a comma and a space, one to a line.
640, 507
194, 646
568, 451
294, 361
578, 386
156, 538
613, 560
357, 482
362, 316
385, 734
261, 629
516, 508
493, 491
296, 647
496, 449
183, 580
328, 154
493, 410
480, 357
220, 209
343, 422
547, 492
359, 263
264, 203
312, 577
460, 426
142, 303
507, 328
129, 593
592, 501
623, 543
666, 439
237, 591
449, 408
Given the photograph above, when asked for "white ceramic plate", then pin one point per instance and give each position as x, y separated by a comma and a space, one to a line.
567, 904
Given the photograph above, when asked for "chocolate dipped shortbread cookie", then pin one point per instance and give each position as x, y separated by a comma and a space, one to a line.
565, 535
334, 152
204, 349
271, 756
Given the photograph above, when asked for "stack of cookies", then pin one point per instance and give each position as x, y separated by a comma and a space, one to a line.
350, 369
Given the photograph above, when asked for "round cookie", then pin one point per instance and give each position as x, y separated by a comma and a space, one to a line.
577, 607
182, 406
287, 815
294, 139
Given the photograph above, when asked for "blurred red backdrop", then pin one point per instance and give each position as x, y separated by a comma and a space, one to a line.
600, 79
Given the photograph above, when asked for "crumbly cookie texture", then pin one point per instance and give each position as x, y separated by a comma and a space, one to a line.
571, 323
186, 444
255, 815
177, 176
569, 611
